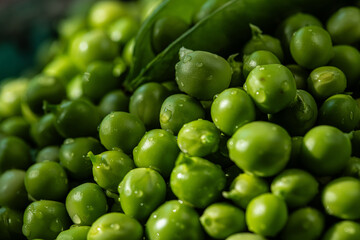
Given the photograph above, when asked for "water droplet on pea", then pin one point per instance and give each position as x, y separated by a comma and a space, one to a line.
210, 77
187, 58
199, 64
260, 96
165, 116
115, 226
351, 115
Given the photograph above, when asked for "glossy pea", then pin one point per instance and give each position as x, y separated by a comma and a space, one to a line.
244, 188
272, 87
115, 100
46, 180
128, 50
221, 219
74, 88
121, 130
207, 8
231, 109
202, 74
61, 68
325, 150
260, 57
14, 153
13, 193
45, 219
86, 203
15, 88
140, 192
44, 132
179, 109
102, 14
123, 29
244, 148
297, 187
146, 103
158, 150
110, 167
49, 153
343, 230
73, 156
197, 181
340, 111
74, 233
16, 126
113, 226
69, 26
174, 220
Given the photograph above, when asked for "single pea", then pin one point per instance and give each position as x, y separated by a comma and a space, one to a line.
69, 26
102, 14
114, 226
198, 138
340, 111
221, 219
326, 81
98, 79
140, 192
325, 150
49, 153
158, 150
343, 230
123, 29
12, 220
300, 75
257, 58
13, 193
166, 29
44, 133
11, 106
62, 68
46, 180
146, 103
340, 198
16, 126
73, 156
179, 109
74, 233
352, 168
343, 25
245, 236
244, 188
202, 74
311, 47
121, 130
90, 46
346, 58
45, 219
197, 181
43, 88
245, 145
261, 41
76, 118
14, 153
115, 100
86, 203
297, 187
110, 167
299, 117
231, 109
174, 220
304, 223
266, 215
272, 87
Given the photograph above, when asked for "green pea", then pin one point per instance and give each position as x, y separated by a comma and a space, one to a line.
295, 186
266, 215
311, 47
49, 153
340, 198
74, 87
68, 27
44, 132
272, 87
16, 126
244, 188
102, 14
207, 8
300, 75
113, 226
86, 203
274, 146
179, 109
123, 29
202, 74
110, 167
74, 233
326, 81
11, 106
174, 220
12, 220
245, 236
115, 100
304, 223
300, 116
343, 230
220, 220
61, 68
121, 130
146, 103
325, 150
73, 156
158, 150
45, 219
13, 193
340, 111
197, 181
343, 25
352, 168
257, 58
140, 192
128, 50
14, 153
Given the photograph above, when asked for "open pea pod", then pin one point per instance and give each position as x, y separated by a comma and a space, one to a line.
223, 32
143, 50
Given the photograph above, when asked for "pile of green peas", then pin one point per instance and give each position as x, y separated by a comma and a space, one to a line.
262, 144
